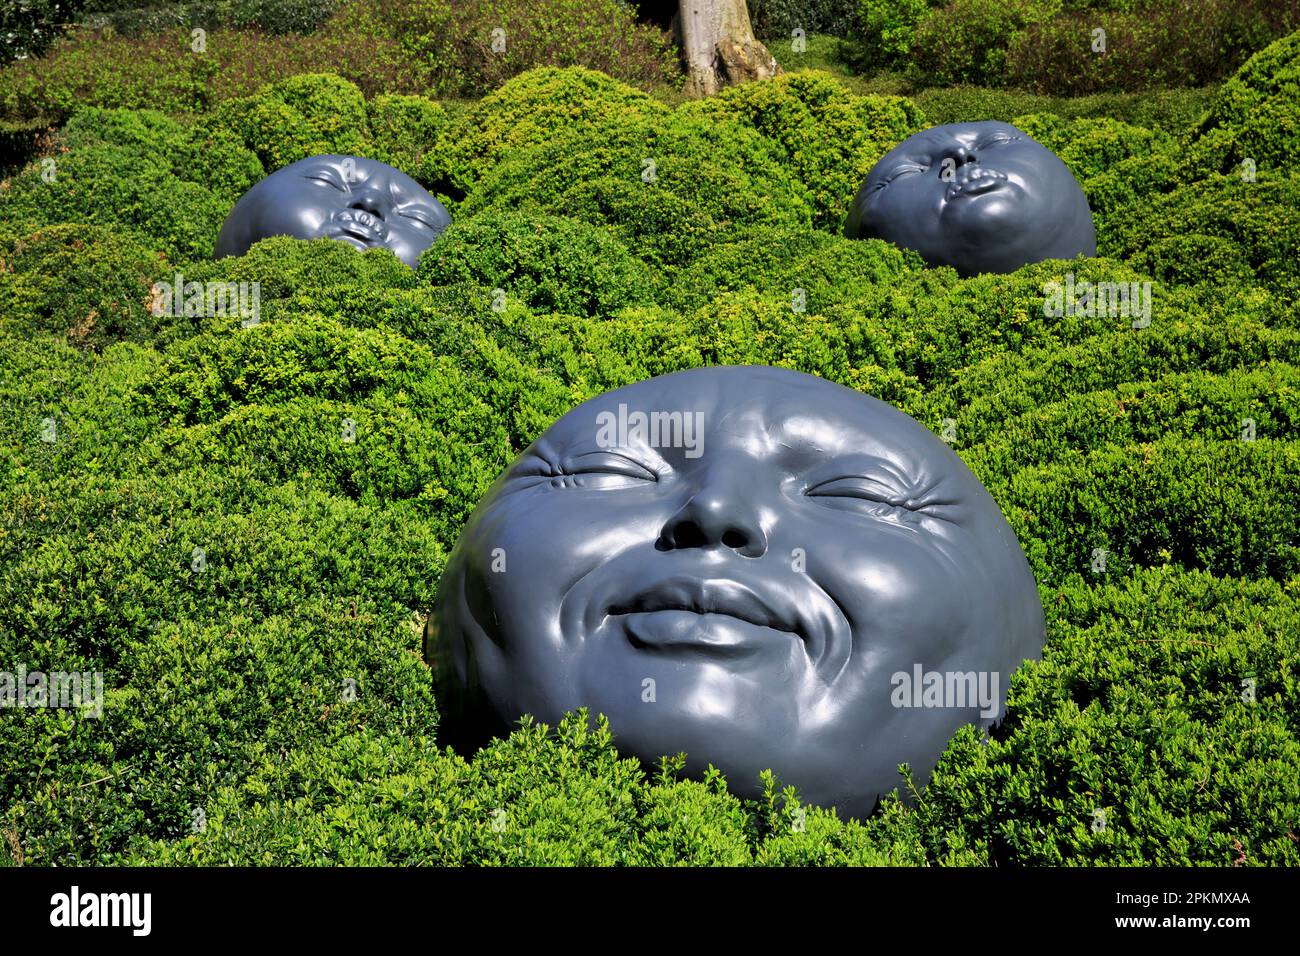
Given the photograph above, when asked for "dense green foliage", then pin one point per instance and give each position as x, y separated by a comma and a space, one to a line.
243, 524
420, 47
1068, 46
778, 19
135, 17
827, 139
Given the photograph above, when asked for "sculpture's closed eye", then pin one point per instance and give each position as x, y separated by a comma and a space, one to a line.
328, 177
607, 463
596, 470
862, 489
420, 215
998, 139
875, 497
899, 171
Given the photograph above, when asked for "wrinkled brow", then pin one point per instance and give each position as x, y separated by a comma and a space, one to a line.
808, 441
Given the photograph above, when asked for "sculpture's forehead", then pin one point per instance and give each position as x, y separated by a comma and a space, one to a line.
357, 169
941, 137
961, 132
763, 411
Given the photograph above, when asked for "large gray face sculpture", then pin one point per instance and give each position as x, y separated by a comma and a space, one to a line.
362, 202
980, 197
752, 565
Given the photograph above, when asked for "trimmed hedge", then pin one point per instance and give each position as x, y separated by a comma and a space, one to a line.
552, 264
299, 117
668, 186
1255, 115
89, 284
828, 138
529, 110
1222, 233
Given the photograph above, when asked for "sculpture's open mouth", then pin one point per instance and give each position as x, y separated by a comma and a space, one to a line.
357, 226
975, 181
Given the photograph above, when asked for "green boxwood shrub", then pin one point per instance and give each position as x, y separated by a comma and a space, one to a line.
1090, 146
210, 156
403, 129
1255, 116
550, 263
529, 110
299, 117
1182, 343
826, 136
122, 188
89, 284
668, 187
1223, 232
828, 268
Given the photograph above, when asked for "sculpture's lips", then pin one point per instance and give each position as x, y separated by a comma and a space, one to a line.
706, 603
719, 635
975, 181
357, 225
704, 613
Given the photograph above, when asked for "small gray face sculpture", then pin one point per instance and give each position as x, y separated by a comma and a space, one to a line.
980, 197
359, 201
752, 565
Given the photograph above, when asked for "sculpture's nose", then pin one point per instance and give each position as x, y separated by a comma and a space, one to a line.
717, 515
368, 202
959, 153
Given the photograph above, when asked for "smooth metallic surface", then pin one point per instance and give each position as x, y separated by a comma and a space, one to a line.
980, 197
744, 582
362, 202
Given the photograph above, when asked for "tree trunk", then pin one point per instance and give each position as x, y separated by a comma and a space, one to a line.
719, 47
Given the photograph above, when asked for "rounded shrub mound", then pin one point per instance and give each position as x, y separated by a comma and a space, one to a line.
122, 188
283, 266
667, 186
529, 110
1223, 232
149, 131
210, 156
404, 129
811, 271
1092, 145
1255, 116
1116, 163
828, 137
304, 115
89, 284
551, 263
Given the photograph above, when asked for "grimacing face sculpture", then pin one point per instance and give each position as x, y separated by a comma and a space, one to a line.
980, 197
362, 202
748, 577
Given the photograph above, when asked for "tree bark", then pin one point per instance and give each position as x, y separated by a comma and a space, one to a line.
719, 46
